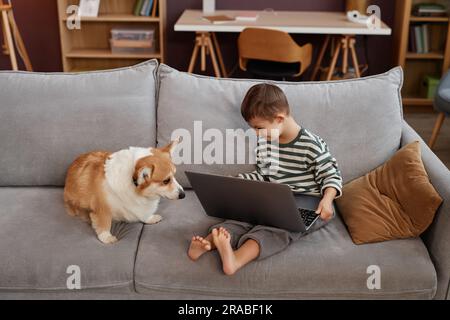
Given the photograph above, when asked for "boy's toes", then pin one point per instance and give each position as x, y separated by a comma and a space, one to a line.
197, 239
215, 232
224, 232
206, 245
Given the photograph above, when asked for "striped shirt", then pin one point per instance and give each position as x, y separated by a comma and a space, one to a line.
304, 164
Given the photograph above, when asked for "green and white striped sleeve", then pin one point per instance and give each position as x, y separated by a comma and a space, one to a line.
326, 171
254, 175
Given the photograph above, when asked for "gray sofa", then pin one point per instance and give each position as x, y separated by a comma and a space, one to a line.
46, 120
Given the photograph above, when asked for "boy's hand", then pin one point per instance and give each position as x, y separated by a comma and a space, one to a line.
325, 209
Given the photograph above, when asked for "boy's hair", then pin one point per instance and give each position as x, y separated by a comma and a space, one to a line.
265, 101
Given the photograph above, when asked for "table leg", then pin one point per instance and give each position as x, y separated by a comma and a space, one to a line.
345, 45
9, 41
320, 57
213, 57
20, 44
334, 60
203, 53
194, 57
4, 45
354, 57
219, 55
436, 129
205, 43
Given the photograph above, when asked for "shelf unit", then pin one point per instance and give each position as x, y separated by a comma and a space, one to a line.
417, 65
88, 48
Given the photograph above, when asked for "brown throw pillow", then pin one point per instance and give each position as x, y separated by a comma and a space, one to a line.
394, 201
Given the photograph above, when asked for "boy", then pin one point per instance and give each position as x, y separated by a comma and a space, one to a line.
303, 162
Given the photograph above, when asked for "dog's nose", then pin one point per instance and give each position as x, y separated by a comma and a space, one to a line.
181, 195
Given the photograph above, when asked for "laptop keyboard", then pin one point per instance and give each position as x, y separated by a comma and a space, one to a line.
308, 216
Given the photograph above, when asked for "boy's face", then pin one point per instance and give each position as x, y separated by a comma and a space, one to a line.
268, 129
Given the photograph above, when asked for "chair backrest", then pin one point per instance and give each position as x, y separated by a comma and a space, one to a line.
272, 45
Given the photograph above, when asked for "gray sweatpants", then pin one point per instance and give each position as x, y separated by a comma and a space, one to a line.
271, 240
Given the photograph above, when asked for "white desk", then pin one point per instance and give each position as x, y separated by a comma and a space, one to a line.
308, 22
305, 22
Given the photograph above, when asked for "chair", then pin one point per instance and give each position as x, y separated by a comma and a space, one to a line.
272, 54
442, 105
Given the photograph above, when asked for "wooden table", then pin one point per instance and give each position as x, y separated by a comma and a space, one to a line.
334, 25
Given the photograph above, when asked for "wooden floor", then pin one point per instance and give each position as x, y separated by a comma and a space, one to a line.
423, 123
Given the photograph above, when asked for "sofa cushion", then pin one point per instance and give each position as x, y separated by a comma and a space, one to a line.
323, 264
39, 241
360, 119
47, 120
394, 201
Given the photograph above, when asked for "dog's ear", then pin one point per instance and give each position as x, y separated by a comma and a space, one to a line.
144, 173
171, 146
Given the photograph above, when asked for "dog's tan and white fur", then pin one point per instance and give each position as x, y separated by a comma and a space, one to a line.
122, 186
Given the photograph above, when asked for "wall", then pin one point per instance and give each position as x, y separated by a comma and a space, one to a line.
38, 23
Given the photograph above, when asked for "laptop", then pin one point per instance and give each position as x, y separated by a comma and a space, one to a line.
255, 202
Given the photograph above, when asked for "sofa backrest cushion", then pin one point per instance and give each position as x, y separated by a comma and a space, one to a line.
359, 119
48, 119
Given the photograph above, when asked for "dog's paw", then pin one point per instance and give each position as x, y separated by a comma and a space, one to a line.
107, 238
154, 219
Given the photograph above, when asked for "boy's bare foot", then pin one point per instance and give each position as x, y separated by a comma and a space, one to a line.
198, 247
222, 238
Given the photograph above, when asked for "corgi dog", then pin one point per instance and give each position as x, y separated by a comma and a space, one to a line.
127, 185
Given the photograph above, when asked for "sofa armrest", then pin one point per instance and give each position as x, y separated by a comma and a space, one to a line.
437, 237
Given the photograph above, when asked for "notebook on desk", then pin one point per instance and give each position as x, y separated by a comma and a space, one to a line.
247, 16
218, 19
